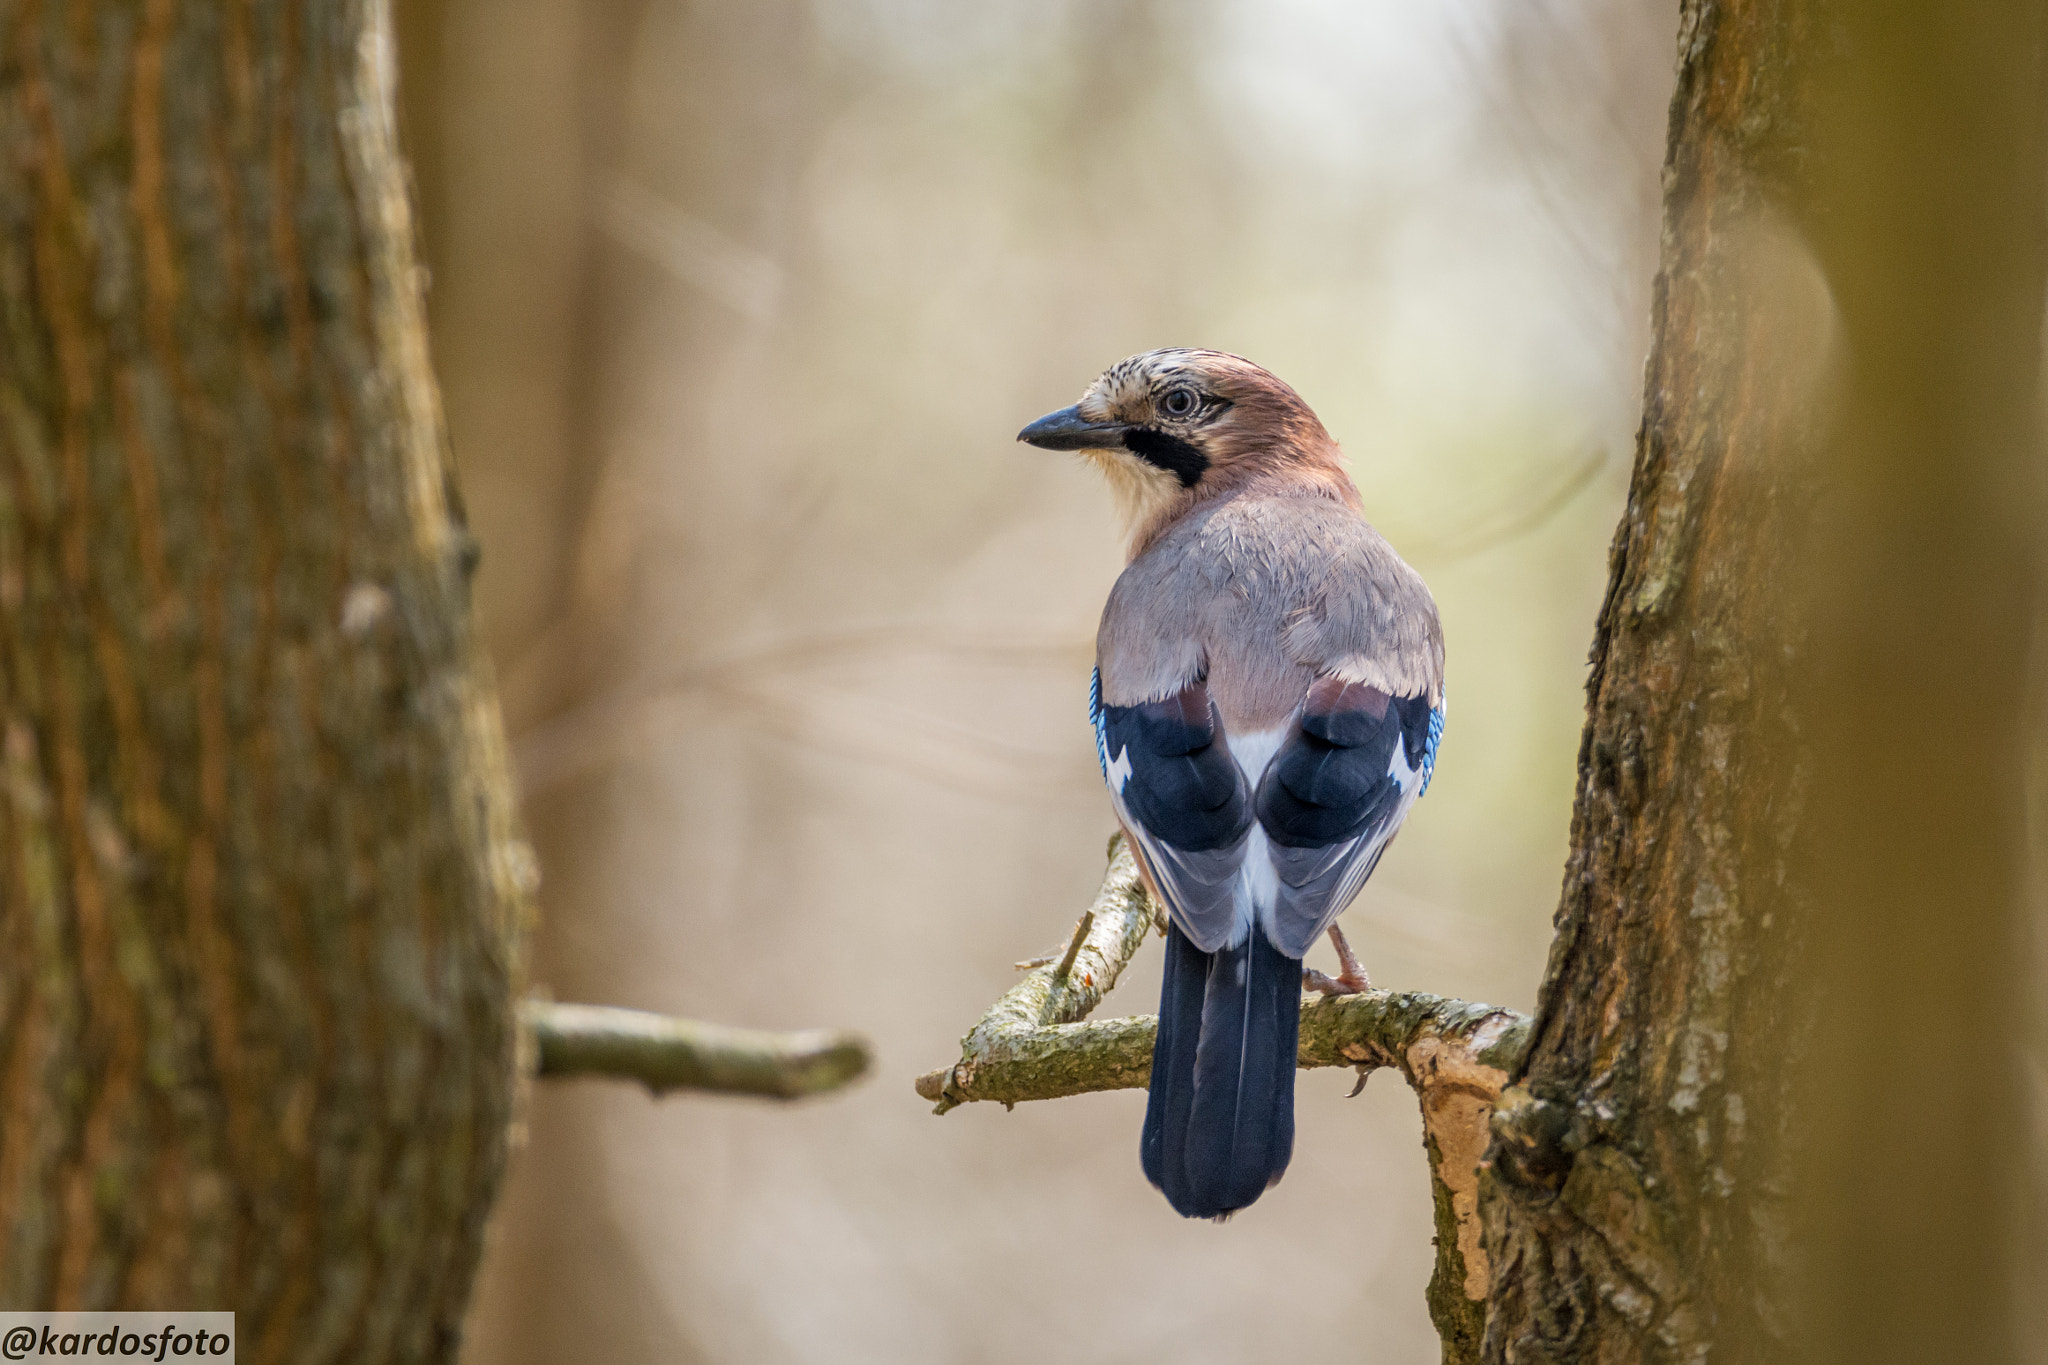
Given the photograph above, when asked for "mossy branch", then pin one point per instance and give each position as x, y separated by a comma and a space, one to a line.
1010, 1062
1035, 1044
665, 1053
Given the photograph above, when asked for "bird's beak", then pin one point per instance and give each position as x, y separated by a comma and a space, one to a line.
1067, 429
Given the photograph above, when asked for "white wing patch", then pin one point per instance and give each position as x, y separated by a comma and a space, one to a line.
1118, 770
1258, 881
1253, 752
1258, 886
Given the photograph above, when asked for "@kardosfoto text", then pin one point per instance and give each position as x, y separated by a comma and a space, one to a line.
134, 1336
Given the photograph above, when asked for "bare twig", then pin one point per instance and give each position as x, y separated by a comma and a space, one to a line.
1081, 928
665, 1053
1033, 1045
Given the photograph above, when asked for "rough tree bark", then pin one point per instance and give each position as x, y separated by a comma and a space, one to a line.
1640, 1199
1624, 1175
261, 890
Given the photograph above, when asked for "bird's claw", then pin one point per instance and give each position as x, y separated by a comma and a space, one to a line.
1349, 980
1313, 980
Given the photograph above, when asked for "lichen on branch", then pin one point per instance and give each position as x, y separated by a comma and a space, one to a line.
1008, 1059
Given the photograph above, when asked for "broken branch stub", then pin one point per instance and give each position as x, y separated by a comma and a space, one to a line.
665, 1053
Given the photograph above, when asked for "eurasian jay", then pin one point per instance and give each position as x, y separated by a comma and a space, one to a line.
1267, 699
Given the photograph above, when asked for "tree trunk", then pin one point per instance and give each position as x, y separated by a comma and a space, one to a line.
262, 892
1618, 1200
1638, 1199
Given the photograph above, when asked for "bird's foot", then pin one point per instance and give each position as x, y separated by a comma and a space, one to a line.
1313, 980
1350, 978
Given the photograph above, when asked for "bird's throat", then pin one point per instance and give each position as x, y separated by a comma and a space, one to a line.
1143, 491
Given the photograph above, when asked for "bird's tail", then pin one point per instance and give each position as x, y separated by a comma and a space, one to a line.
1219, 1123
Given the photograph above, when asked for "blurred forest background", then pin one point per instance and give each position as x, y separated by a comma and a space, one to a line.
737, 309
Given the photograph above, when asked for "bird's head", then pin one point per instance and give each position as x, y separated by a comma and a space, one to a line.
1170, 428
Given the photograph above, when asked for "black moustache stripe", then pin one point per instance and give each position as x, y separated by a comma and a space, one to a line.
1179, 458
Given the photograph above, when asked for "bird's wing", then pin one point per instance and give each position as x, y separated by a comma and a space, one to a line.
1186, 805
1292, 608
1335, 795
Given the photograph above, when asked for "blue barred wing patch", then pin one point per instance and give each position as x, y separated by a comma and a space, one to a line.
1097, 722
1436, 733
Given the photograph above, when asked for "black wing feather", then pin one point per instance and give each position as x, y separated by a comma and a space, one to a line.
1181, 796
1334, 796
1183, 787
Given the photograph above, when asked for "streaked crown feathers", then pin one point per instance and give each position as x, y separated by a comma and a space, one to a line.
1171, 428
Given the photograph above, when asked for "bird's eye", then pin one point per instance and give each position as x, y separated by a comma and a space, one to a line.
1179, 402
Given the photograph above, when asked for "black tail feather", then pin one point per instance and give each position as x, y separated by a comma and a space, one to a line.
1219, 1124
1172, 1088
